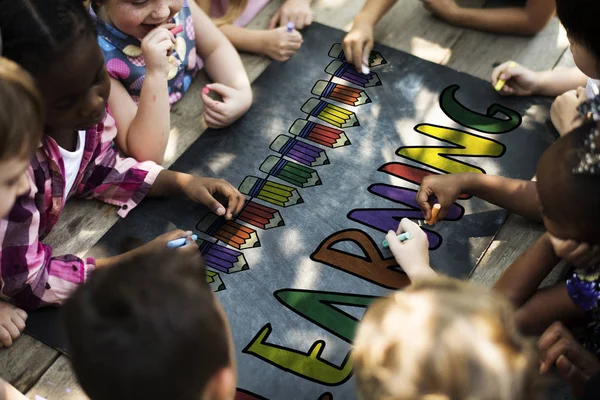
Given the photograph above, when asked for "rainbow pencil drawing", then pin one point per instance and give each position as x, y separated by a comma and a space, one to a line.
375, 57
340, 93
320, 134
297, 150
230, 232
214, 281
348, 73
296, 174
260, 216
330, 113
222, 258
271, 192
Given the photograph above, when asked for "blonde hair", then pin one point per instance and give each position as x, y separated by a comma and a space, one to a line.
443, 339
235, 8
21, 114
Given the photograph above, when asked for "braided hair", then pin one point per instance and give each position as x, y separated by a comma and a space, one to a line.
36, 33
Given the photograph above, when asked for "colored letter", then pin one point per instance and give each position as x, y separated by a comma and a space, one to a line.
474, 120
319, 308
308, 365
462, 144
372, 267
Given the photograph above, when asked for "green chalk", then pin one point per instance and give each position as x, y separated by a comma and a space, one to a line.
401, 237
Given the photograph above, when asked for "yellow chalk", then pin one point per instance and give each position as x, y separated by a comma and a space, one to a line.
501, 82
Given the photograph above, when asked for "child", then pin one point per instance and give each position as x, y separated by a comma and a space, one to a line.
566, 197
579, 19
150, 68
443, 339
278, 44
151, 329
21, 119
56, 42
521, 21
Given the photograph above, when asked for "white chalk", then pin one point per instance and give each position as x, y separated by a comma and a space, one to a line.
365, 70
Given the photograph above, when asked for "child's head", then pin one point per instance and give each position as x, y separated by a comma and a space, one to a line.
55, 41
568, 186
579, 17
151, 329
137, 18
21, 117
440, 340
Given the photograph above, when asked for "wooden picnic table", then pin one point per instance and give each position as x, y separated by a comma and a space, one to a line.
36, 369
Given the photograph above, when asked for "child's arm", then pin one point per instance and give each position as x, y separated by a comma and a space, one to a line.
278, 44
521, 81
8, 392
223, 65
525, 21
144, 128
296, 11
412, 255
358, 43
515, 195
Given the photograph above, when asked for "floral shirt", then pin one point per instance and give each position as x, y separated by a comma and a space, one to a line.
29, 272
125, 62
583, 286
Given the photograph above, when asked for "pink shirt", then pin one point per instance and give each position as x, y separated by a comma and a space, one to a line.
219, 7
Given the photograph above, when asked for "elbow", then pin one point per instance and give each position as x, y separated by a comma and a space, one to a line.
533, 26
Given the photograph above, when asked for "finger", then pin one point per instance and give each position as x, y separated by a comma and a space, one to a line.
367, 52
295, 37
562, 346
274, 20
563, 248
211, 122
19, 322
571, 373
216, 115
213, 204
581, 95
357, 55
208, 102
5, 337
579, 253
423, 202
176, 234
232, 203
308, 19
12, 329
22, 314
347, 46
241, 202
284, 18
223, 90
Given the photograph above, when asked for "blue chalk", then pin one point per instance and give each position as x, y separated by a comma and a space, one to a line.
290, 27
401, 237
176, 243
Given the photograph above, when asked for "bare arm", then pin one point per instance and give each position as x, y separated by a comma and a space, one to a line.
525, 21
558, 81
373, 11
244, 39
143, 131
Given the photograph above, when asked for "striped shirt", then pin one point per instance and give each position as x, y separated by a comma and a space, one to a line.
29, 273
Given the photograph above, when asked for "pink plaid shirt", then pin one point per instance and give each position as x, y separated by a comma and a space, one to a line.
29, 273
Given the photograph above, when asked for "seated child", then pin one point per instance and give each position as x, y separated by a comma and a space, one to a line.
21, 119
579, 19
151, 329
566, 197
151, 68
443, 339
526, 20
55, 41
231, 16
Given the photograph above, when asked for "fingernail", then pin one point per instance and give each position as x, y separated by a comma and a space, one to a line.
221, 211
206, 90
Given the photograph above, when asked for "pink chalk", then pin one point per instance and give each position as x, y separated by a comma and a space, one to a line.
206, 90
176, 30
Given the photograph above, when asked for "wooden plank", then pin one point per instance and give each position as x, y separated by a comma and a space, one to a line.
58, 382
25, 361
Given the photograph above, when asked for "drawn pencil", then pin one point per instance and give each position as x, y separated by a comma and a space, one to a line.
271, 192
348, 73
300, 151
260, 216
222, 258
289, 171
214, 281
230, 232
320, 134
375, 57
341, 93
330, 113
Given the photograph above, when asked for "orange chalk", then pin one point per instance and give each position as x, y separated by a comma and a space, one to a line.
434, 214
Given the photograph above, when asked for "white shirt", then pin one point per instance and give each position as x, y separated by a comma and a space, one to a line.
72, 160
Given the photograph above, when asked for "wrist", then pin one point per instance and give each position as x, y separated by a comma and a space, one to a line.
540, 83
156, 73
366, 20
469, 181
454, 15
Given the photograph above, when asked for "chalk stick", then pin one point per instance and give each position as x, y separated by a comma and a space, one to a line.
401, 237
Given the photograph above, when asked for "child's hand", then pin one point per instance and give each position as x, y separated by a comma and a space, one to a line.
564, 114
446, 188
281, 45
235, 103
206, 190
358, 44
159, 244
12, 323
412, 254
520, 81
444, 9
574, 363
296, 11
580, 254
156, 47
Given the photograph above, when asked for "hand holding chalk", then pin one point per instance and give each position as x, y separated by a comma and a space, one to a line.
501, 82
435, 210
176, 30
181, 242
444, 189
401, 237
411, 254
513, 79
290, 27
